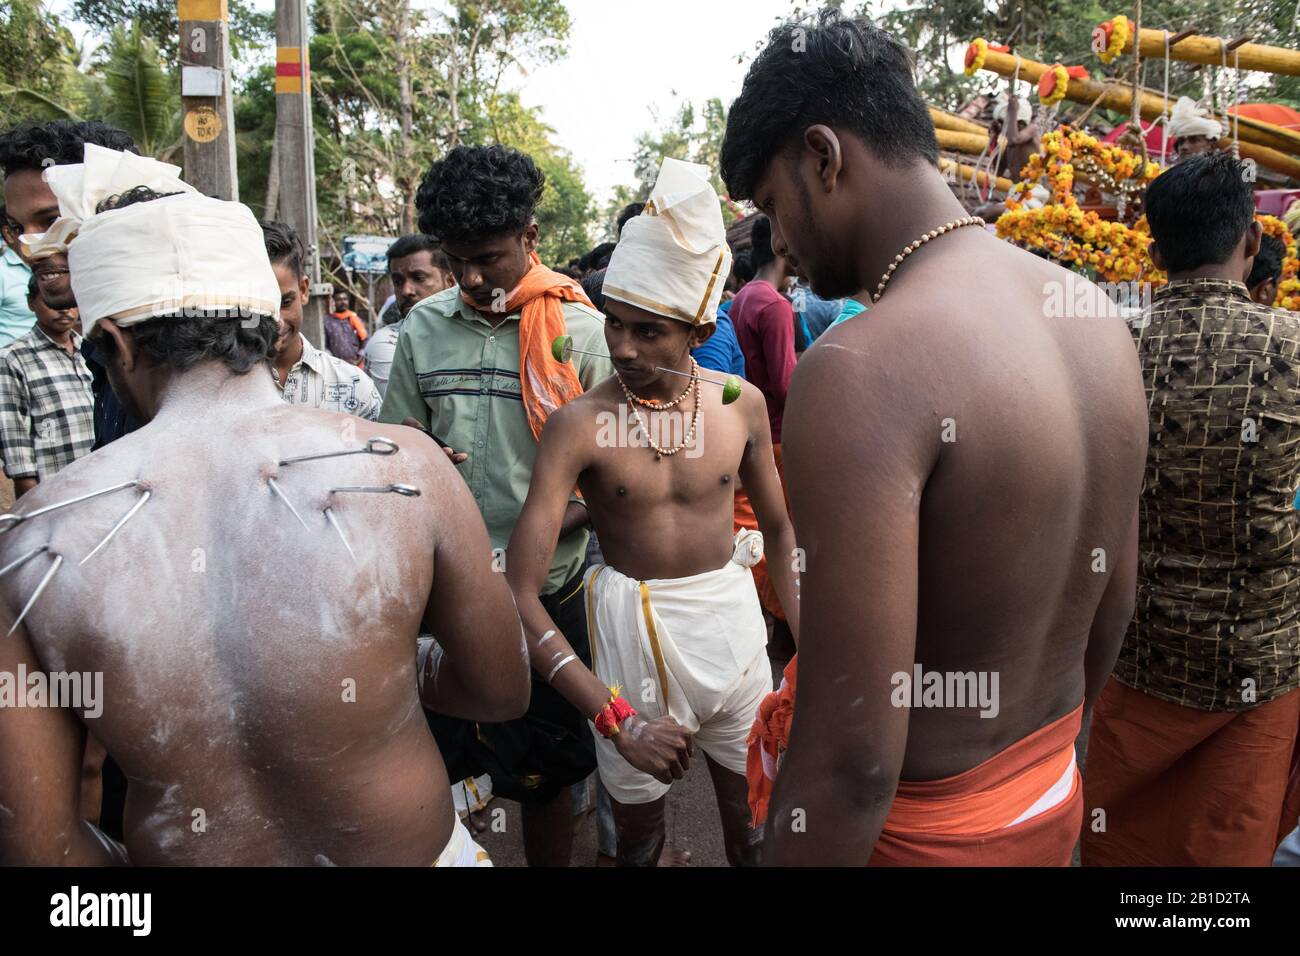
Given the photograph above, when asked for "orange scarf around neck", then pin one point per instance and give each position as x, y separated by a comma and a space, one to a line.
547, 384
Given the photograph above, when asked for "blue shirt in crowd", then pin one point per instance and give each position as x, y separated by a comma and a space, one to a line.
721, 352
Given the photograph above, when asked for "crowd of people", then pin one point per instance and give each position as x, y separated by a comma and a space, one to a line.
928, 574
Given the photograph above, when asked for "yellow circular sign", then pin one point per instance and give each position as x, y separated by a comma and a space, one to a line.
202, 124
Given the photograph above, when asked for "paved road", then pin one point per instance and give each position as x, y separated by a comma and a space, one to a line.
691, 820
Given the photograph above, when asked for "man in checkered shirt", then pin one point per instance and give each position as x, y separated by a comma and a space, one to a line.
47, 409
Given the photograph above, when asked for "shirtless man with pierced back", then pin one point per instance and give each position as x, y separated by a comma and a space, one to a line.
262, 713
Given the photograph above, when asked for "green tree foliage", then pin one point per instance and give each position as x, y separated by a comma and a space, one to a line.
687, 137
39, 79
157, 18
395, 86
140, 95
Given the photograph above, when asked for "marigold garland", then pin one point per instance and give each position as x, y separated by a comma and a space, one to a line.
975, 55
1055, 82
1288, 290
1112, 250
1116, 32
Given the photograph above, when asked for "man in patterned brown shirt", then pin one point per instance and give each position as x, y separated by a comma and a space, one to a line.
1192, 738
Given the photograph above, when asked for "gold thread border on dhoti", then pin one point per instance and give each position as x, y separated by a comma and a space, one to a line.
591, 617
655, 649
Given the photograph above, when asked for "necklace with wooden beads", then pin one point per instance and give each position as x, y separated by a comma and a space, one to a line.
917, 244
635, 400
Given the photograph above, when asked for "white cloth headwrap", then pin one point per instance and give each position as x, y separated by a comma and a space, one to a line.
187, 254
673, 259
1188, 119
1025, 112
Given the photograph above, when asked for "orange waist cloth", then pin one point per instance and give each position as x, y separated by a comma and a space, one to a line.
965, 820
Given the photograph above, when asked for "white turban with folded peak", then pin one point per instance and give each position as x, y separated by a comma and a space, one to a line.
1188, 119
1025, 112
185, 254
673, 259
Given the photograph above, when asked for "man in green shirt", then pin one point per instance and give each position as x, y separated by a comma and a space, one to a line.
473, 366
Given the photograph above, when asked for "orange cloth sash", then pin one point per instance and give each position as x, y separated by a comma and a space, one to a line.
960, 820
547, 384
767, 741
353, 320
990, 796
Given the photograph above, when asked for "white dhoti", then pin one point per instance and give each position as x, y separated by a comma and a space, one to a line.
692, 648
461, 850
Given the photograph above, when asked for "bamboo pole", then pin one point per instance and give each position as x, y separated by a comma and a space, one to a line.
1150, 104
1209, 51
973, 144
942, 119
969, 172
958, 142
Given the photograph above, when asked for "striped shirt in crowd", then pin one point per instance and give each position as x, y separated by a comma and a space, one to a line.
47, 411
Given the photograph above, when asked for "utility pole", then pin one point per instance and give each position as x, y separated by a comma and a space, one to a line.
295, 150
206, 103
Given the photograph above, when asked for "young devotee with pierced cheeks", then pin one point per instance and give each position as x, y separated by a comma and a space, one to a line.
677, 635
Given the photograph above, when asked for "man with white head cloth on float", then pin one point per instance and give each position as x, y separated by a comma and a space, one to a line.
677, 634
1192, 130
261, 713
1014, 132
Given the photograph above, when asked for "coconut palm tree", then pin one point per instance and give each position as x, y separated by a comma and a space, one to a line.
126, 85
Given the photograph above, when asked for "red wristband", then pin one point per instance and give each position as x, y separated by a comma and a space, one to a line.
613, 714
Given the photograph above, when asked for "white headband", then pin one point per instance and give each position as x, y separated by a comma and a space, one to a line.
1187, 119
186, 254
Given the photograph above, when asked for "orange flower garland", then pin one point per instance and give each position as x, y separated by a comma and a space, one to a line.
978, 51
1112, 250
1109, 38
1288, 290
1055, 82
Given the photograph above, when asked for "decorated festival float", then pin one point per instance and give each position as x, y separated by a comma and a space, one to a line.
1079, 199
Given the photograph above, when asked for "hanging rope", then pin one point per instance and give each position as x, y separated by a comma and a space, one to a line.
1137, 61
1164, 115
1236, 103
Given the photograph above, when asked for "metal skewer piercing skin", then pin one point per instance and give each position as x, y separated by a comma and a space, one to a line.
409, 491
562, 348
9, 521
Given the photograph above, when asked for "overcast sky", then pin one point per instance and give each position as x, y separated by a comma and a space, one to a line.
629, 63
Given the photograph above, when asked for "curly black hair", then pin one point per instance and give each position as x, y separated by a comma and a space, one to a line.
477, 192
182, 342
839, 71
32, 146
